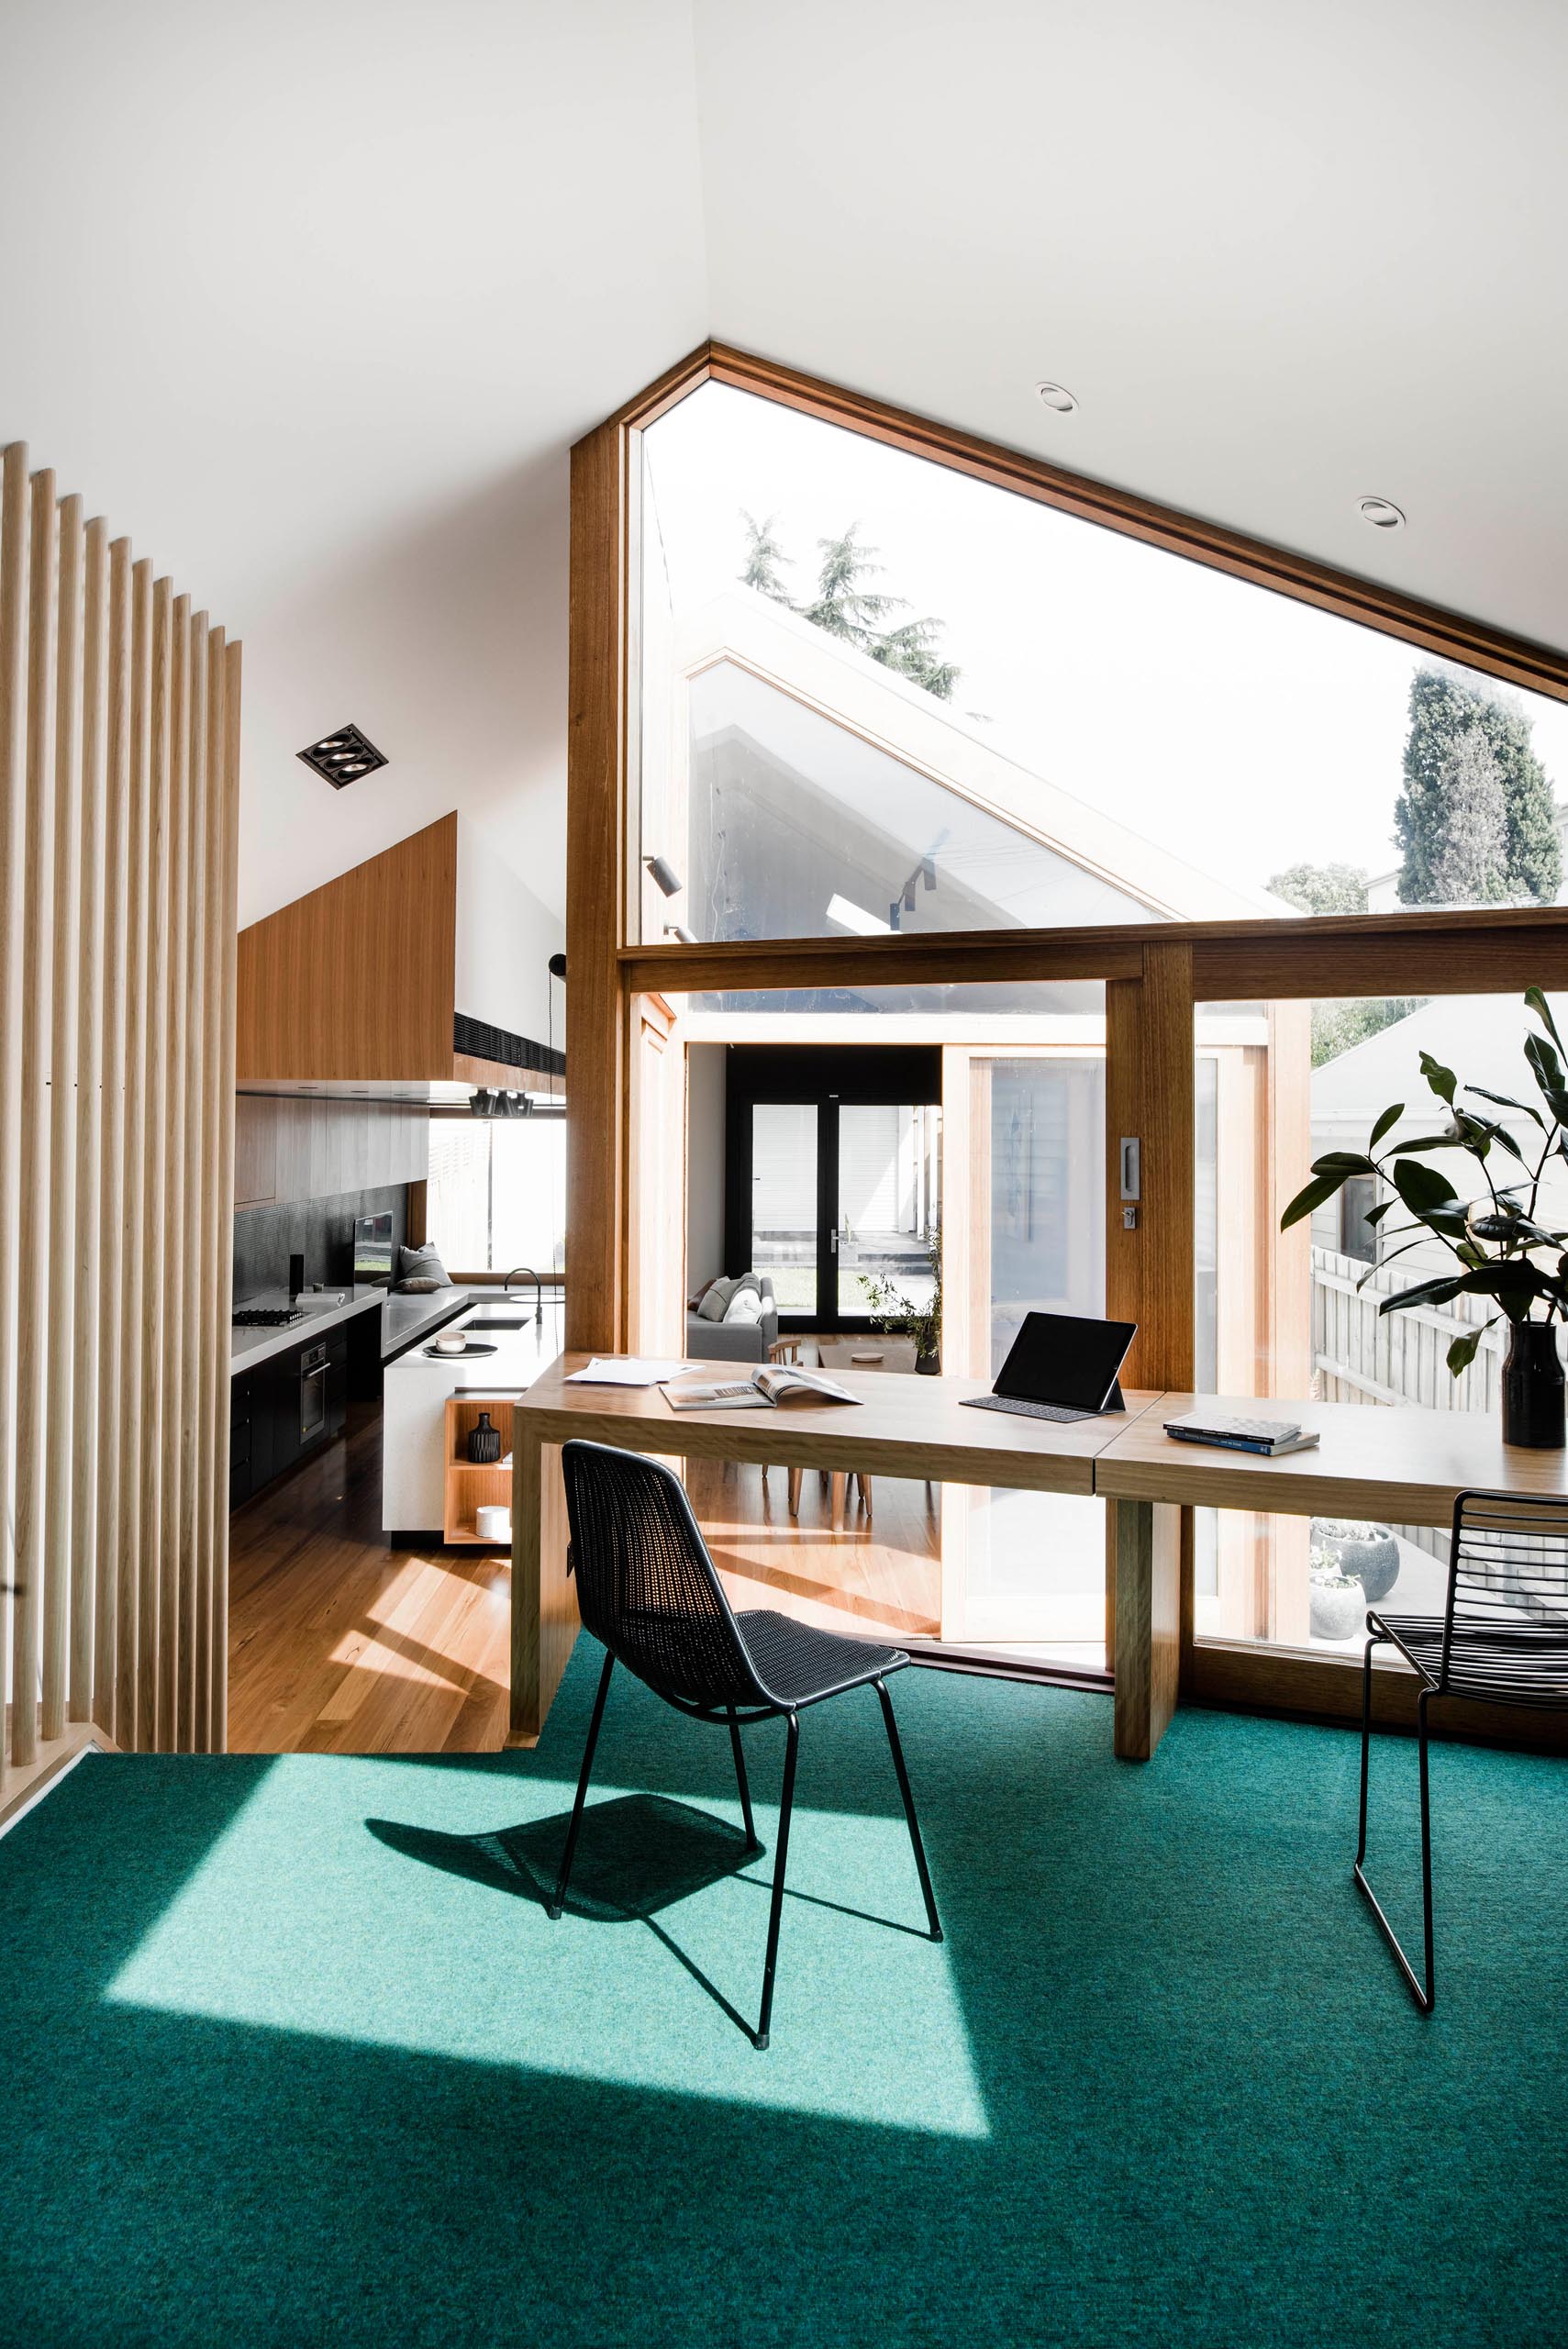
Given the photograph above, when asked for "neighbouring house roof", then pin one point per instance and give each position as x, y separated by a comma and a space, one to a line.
1480, 1037
822, 747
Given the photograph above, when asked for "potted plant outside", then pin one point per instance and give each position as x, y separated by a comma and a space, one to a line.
1500, 1248
1336, 1602
1355, 1546
898, 1315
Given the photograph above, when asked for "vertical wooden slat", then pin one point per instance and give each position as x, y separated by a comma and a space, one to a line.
174, 1646
86, 1627
107, 1429
33, 1204
60, 1262
197, 1359
154, 1161
134, 1728
13, 642
214, 1211
223, 929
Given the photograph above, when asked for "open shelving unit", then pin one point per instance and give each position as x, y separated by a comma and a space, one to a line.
470, 1486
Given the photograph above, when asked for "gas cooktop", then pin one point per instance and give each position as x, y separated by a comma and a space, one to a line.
266, 1317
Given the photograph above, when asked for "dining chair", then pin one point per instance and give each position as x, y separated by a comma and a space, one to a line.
648, 1589
1502, 1639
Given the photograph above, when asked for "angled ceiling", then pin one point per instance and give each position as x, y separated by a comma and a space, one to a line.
313, 299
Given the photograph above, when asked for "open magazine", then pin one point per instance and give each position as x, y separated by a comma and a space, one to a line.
765, 1389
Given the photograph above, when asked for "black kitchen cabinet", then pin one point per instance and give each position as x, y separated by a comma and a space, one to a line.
285, 1408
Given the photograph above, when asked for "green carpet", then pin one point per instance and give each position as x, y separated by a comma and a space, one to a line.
292, 2053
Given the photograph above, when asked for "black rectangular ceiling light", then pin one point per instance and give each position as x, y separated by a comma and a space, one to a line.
343, 757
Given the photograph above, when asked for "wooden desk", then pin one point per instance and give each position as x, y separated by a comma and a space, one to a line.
1396, 1465
904, 1427
1400, 1465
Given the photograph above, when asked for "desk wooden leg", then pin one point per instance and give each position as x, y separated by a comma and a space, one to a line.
795, 1476
836, 1483
1148, 1623
544, 1601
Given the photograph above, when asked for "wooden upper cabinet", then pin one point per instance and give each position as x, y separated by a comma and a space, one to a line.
370, 975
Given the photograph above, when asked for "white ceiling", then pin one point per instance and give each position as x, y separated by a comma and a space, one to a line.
312, 299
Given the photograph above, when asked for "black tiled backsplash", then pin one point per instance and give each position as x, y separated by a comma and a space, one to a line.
321, 1230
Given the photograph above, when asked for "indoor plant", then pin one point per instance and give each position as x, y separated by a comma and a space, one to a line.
1336, 1601
1356, 1546
898, 1315
1500, 1249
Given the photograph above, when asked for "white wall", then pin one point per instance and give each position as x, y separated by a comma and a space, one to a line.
505, 937
704, 1164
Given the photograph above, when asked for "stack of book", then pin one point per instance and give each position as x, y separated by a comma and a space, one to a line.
1269, 1437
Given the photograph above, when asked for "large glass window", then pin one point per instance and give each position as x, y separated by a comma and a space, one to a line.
879, 695
497, 1193
1299, 1313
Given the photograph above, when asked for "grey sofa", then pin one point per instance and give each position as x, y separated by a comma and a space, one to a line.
734, 1340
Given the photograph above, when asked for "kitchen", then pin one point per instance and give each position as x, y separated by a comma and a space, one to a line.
367, 1595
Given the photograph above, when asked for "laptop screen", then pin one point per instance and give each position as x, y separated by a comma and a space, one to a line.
1061, 1358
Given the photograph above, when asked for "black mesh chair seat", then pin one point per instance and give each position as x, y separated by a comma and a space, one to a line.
799, 1665
1504, 1663
1502, 1639
649, 1590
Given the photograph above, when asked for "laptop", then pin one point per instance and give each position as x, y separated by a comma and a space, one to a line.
1061, 1367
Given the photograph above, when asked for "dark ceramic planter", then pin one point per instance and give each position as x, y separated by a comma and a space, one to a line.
1533, 1388
928, 1365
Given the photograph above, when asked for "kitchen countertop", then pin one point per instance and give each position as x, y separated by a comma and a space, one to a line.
404, 1319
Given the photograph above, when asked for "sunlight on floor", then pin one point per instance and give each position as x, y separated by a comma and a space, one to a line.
305, 1917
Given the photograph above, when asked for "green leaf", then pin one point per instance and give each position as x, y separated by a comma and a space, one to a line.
1535, 1001
1442, 1080
1314, 1197
1426, 1292
1461, 1353
1454, 1140
1385, 1124
1375, 1215
1507, 1101
1547, 1069
1421, 1187
1343, 1162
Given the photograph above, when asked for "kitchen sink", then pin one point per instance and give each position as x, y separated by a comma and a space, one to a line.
500, 1321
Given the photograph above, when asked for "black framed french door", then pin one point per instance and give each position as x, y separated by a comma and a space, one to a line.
831, 1173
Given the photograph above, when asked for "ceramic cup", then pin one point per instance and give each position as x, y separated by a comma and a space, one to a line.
452, 1346
494, 1523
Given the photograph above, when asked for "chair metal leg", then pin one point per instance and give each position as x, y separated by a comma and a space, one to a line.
555, 1905
1424, 1995
919, 1849
752, 1841
775, 1911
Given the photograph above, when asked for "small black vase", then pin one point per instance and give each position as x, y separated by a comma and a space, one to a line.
928, 1365
485, 1441
1533, 1388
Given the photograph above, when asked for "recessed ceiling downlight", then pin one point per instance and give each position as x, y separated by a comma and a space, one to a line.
1382, 513
1057, 397
341, 758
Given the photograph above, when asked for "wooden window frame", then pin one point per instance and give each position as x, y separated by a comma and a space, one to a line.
1155, 973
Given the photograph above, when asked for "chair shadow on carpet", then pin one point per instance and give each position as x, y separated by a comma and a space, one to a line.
636, 1853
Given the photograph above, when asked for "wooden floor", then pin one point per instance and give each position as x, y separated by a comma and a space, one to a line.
340, 1644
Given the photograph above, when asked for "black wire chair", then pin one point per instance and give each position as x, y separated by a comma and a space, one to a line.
647, 1587
1501, 1640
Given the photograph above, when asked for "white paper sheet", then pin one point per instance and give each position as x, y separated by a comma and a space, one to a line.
625, 1370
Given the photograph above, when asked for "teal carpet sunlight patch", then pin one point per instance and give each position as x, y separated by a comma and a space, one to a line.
402, 1907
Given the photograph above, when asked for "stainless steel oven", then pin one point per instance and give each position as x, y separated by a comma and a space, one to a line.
313, 1374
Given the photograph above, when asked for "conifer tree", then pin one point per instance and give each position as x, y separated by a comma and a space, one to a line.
1445, 703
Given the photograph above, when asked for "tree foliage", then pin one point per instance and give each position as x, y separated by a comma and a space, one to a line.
1469, 863
1322, 888
1437, 841
846, 604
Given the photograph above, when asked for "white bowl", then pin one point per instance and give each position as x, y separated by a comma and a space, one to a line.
494, 1523
452, 1346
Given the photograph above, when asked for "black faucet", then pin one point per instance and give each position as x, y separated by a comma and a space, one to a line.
539, 1289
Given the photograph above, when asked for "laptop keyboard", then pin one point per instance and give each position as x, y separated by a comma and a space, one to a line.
1026, 1411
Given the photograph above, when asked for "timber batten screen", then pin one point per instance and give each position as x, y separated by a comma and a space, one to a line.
119, 768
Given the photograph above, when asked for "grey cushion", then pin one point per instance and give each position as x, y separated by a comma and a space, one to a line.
714, 1297
421, 1269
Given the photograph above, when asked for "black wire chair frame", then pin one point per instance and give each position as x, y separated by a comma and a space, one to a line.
649, 1591
1502, 1639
